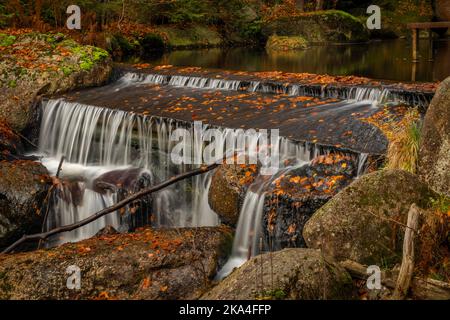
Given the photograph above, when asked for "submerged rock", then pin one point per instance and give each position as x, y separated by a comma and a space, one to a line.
227, 190
147, 264
434, 154
296, 195
24, 186
358, 223
303, 274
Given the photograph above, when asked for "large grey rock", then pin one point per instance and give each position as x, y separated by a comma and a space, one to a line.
301, 274
148, 264
358, 223
434, 154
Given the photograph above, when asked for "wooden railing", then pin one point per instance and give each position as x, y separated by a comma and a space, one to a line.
415, 27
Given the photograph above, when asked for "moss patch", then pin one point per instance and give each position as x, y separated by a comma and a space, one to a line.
191, 37
284, 43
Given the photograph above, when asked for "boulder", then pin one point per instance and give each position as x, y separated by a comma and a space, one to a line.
434, 153
294, 196
24, 186
318, 27
147, 264
55, 65
358, 223
302, 274
227, 190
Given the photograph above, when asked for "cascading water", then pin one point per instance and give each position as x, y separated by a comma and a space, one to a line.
97, 142
376, 94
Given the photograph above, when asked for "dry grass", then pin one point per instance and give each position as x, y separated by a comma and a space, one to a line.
403, 146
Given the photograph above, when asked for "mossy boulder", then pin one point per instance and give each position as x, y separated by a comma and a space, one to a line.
54, 65
227, 190
434, 154
191, 36
284, 43
300, 274
148, 264
318, 27
358, 223
24, 186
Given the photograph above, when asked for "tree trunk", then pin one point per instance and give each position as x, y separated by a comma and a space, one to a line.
319, 5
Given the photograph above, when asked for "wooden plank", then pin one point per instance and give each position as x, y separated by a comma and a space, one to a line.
429, 25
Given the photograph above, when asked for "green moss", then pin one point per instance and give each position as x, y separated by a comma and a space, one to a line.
191, 37
152, 42
88, 55
276, 294
319, 27
12, 84
6, 40
286, 43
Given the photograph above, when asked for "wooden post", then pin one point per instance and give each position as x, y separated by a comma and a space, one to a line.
430, 45
415, 45
406, 269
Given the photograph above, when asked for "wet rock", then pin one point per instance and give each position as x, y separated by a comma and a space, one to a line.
301, 274
10, 143
297, 194
358, 223
148, 264
24, 186
434, 154
125, 183
108, 230
227, 190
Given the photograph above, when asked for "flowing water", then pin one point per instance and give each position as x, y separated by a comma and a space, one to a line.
98, 141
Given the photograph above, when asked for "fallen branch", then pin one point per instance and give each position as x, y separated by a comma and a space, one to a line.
421, 288
115, 207
407, 267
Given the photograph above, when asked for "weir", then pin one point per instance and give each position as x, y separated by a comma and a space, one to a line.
117, 140
380, 93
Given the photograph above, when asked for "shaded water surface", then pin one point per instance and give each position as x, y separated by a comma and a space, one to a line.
389, 60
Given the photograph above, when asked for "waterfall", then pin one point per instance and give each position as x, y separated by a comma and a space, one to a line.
98, 140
